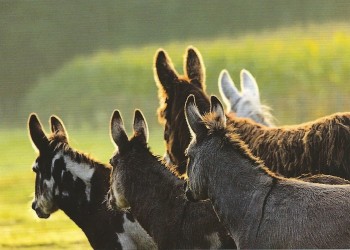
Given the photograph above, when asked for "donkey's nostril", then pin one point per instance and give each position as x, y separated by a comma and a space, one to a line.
33, 205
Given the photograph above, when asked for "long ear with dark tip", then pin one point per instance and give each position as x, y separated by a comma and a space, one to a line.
249, 85
118, 133
164, 72
140, 126
193, 117
194, 67
36, 132
217, 108
57, 126
228, 91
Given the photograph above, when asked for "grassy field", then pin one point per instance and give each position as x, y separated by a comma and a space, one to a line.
19, 225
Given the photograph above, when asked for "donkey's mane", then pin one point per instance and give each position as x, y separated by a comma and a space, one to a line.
266, 113
167, 168
60, 143
232, 139
307, 147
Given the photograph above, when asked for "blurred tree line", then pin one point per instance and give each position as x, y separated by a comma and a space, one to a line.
37, 37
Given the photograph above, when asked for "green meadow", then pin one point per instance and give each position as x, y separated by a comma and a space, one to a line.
301, 77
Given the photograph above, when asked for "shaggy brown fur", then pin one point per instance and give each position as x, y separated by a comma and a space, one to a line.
321, 146
173, 90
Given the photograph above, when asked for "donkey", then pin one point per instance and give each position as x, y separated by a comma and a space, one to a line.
321, 146
247, 102
260, 209
141, 182
77, 184
173, 90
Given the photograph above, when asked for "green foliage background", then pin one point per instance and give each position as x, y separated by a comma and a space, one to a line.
301, 76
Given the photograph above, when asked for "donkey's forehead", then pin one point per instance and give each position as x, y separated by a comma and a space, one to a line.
46, 158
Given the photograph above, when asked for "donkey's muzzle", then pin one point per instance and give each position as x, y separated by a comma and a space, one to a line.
39, 212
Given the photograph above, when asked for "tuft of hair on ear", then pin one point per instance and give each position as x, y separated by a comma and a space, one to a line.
37, 134
249, 85
164, 72
217, 109
194, 67
117, 130
58, 127
228, 91
140, 126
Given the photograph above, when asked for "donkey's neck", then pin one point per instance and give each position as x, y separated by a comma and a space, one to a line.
238, 189
84, 185
155, 196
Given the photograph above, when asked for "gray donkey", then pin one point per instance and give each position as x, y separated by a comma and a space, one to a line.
244, 103
155, 195
260, 209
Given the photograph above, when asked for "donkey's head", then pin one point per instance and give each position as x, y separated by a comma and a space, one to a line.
203, 147
63, 175
127, 152
173, 90
247, 102
46, 164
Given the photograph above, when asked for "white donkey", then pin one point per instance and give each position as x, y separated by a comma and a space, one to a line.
247, 102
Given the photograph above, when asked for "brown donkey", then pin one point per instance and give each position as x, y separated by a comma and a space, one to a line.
321, 146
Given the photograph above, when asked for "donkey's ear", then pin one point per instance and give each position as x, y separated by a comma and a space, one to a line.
249, 85
118, 133
57, 126
164, 72
140, 126
194, 67
36, 132
228, 91
193, 117
217, 108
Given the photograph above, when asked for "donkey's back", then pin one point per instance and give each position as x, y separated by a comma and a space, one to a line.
305, 215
